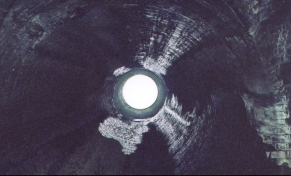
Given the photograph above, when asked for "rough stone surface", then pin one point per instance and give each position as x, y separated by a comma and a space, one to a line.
227, 60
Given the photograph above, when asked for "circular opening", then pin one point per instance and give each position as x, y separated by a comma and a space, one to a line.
140, 91
139, 94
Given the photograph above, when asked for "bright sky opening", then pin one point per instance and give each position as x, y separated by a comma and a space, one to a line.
140, 91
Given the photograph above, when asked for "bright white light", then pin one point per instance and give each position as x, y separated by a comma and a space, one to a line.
140, 91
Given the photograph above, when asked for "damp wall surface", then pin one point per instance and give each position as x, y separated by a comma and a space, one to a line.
57, 57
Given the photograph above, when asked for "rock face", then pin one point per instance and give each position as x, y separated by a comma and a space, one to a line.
227, 64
